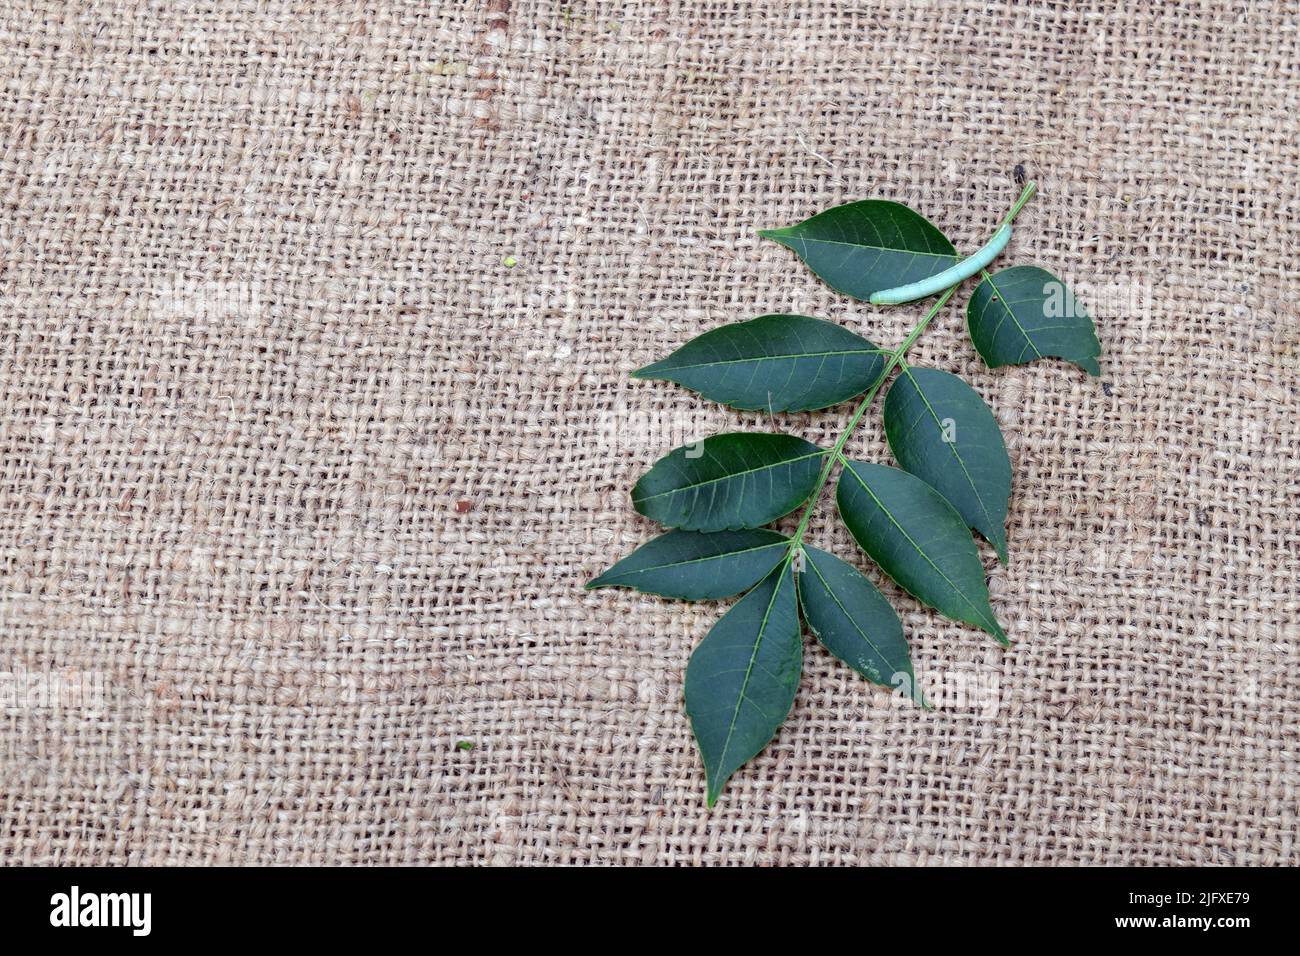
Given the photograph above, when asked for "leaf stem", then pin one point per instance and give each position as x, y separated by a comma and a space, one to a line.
1030, 188
895, 359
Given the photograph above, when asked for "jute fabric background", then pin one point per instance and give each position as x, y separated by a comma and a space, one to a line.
317, 318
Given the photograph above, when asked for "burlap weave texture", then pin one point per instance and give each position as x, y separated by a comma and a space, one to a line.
315, 414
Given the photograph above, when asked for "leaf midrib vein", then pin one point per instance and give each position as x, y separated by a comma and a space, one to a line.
1011, 312
734, 474
753, 656
863, 245
919, 550
845, 611
712, 557
952, 446
774, 358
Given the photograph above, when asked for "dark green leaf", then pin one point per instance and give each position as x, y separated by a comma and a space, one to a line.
782, 363
916, 537
941, 431
741, 680
864, 247
1025, 313
852, 619
697, 566
737, 480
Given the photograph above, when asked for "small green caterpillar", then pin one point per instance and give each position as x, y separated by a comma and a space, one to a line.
948, 277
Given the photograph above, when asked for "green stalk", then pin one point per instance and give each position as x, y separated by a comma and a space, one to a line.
895, 359
1025, 196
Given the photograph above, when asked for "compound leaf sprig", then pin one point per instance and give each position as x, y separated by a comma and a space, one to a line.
914, 522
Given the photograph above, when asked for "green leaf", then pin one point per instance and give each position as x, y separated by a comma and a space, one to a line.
853, 621
864, 247
916, 537
737, 480
696, 566
741, 680
940, 430
782, 363
1026, 313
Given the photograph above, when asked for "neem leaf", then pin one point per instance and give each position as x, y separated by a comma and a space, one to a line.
864, 247
853, 621
940, 430
782, 363
741, 680
1026, 313
737, 480
696, 566
916, 537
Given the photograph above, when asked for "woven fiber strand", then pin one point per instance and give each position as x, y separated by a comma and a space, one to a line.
317, 319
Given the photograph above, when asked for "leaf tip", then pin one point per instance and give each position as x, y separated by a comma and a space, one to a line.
998, 634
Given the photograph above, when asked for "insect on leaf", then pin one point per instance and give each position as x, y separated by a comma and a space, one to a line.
695, 566
916, 537
852, 620
868, 246
951, 276
914, 522
737, 480
782, 363
940, 430
741, 680
1026, 313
